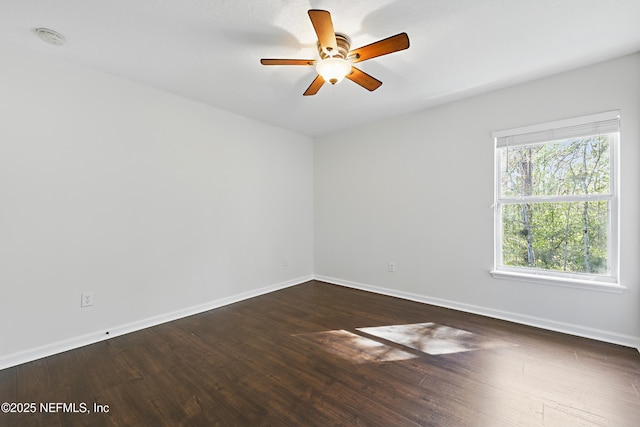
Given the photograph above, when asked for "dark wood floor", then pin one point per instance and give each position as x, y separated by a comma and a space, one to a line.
295, 357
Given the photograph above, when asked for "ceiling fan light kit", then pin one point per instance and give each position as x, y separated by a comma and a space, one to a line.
336, 60
333, 70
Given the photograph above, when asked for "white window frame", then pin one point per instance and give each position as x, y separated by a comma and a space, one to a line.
548, 132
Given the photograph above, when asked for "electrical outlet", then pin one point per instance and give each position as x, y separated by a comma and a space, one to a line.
285, 261
87, 299
392, 267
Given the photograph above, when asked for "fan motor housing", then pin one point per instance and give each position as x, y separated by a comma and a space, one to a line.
343, 42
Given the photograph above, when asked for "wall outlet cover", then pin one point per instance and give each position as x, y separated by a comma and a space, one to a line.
87, 299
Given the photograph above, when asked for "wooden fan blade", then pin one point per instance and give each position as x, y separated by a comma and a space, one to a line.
321, 20
315, 86
364, 79
287, 61
379, 48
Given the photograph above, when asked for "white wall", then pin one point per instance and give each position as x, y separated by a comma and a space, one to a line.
158, 205
417, 190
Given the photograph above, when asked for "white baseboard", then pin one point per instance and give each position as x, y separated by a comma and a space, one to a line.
80, 341
552, 325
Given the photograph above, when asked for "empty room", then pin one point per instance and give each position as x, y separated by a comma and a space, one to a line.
315, 213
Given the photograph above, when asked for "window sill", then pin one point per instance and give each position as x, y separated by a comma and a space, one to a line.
592, 285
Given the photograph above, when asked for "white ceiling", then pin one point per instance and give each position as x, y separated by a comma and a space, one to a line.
210, 50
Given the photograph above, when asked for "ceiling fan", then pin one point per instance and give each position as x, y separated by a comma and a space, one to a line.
335, 57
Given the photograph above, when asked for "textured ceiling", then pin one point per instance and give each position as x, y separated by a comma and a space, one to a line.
210, 50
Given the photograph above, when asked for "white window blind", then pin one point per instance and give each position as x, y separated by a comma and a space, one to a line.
595, 124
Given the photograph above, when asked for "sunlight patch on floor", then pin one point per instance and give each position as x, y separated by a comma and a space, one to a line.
367, 344
354, 347
432, 338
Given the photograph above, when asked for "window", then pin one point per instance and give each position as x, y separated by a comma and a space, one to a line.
556, 202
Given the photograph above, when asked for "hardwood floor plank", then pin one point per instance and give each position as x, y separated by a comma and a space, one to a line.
65, 374
33, 380
8, 393
8, 384
103, 367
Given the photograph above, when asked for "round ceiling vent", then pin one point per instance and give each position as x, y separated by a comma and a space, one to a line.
50, 36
